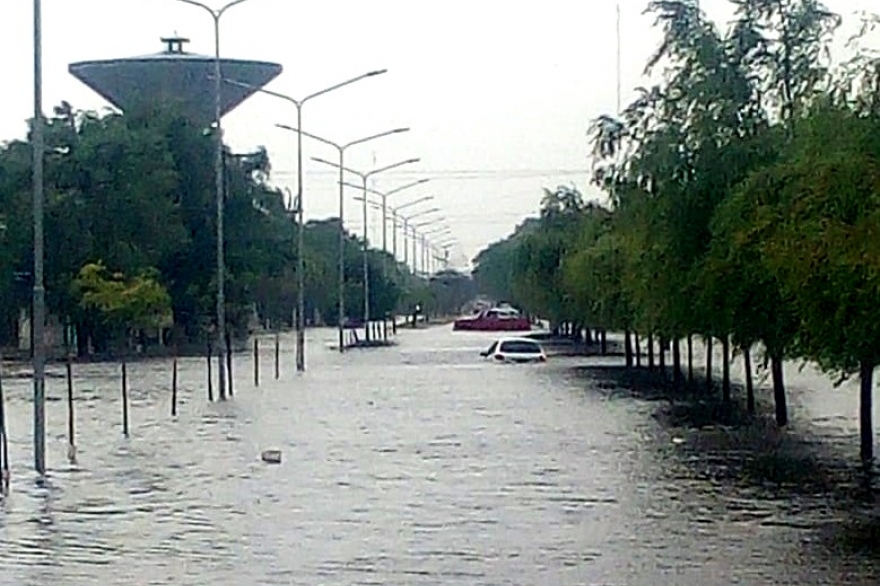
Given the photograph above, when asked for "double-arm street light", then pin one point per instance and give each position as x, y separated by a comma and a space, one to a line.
216, 15
416, 234
396, 220
384, 207
428, 252
407, 226
341, 149
404, 224
365, 177
298, 208
444, 246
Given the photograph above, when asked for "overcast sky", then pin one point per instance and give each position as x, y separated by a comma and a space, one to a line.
498, 94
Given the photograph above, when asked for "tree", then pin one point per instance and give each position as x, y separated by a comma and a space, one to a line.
823, 244
124, 305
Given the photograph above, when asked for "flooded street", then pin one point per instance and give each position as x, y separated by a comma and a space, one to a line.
418, 464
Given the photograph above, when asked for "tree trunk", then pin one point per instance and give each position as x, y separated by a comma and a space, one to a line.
866, 374
725, 371
627, 348
651, 351
603, 340
638, 350
709, 373
750, 386
779, 390
676, 363
662, 356
690, 360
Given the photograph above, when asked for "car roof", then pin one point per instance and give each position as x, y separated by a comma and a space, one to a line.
517, 339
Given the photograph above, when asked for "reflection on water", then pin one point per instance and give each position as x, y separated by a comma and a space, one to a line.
419, 464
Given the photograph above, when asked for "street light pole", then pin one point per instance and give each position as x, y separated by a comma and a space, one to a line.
38, 335
341, 148
298, 211
385, 197
364, 179
405, 223
422, 257
384, 208
216, 15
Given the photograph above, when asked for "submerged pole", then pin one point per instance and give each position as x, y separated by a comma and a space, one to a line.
228, 341
174, 386
124, 398
4, 446
277, 355
256, 361
210, 375
71, 415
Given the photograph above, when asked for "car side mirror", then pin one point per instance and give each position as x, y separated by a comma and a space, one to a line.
483, 353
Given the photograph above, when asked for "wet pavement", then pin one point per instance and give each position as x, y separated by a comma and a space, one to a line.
416, 464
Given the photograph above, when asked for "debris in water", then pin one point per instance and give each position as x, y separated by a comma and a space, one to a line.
271, 456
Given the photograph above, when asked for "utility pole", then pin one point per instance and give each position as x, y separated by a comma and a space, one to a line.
38, 334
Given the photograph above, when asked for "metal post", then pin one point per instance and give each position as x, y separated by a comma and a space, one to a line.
618, 51
366, 269
394, 236
424, 256
405, 245
415, 257
384, 236
218, 178
300, 248
39, 309
341, 284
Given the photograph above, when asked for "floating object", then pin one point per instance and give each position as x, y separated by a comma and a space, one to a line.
271, 456
677, 441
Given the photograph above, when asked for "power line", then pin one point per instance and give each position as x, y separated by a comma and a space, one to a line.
462, 173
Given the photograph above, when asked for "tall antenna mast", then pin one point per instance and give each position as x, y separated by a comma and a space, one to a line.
618, 57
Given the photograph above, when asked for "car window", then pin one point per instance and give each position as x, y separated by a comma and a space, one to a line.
520, 347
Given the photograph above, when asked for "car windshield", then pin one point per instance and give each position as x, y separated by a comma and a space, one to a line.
520, 347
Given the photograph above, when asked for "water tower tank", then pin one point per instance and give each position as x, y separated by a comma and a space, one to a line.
174, 76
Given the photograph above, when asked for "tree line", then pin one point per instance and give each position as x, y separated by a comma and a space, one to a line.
743, 202
130, 223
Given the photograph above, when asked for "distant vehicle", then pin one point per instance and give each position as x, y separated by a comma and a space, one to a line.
515, 350
495, 319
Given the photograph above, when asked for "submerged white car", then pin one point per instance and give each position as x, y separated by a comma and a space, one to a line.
515, 350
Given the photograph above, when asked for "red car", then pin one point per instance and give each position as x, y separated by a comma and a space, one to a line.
497, 319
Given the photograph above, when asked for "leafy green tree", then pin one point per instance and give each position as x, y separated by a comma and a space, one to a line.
124, 305
822, 244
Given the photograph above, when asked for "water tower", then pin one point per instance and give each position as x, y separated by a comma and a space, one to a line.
173, 76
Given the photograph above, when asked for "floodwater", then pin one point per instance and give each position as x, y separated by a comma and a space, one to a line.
417, 464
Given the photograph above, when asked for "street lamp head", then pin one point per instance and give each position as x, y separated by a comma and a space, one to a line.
399, 130
377, 72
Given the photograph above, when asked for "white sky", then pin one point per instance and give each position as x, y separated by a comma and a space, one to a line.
498, 94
